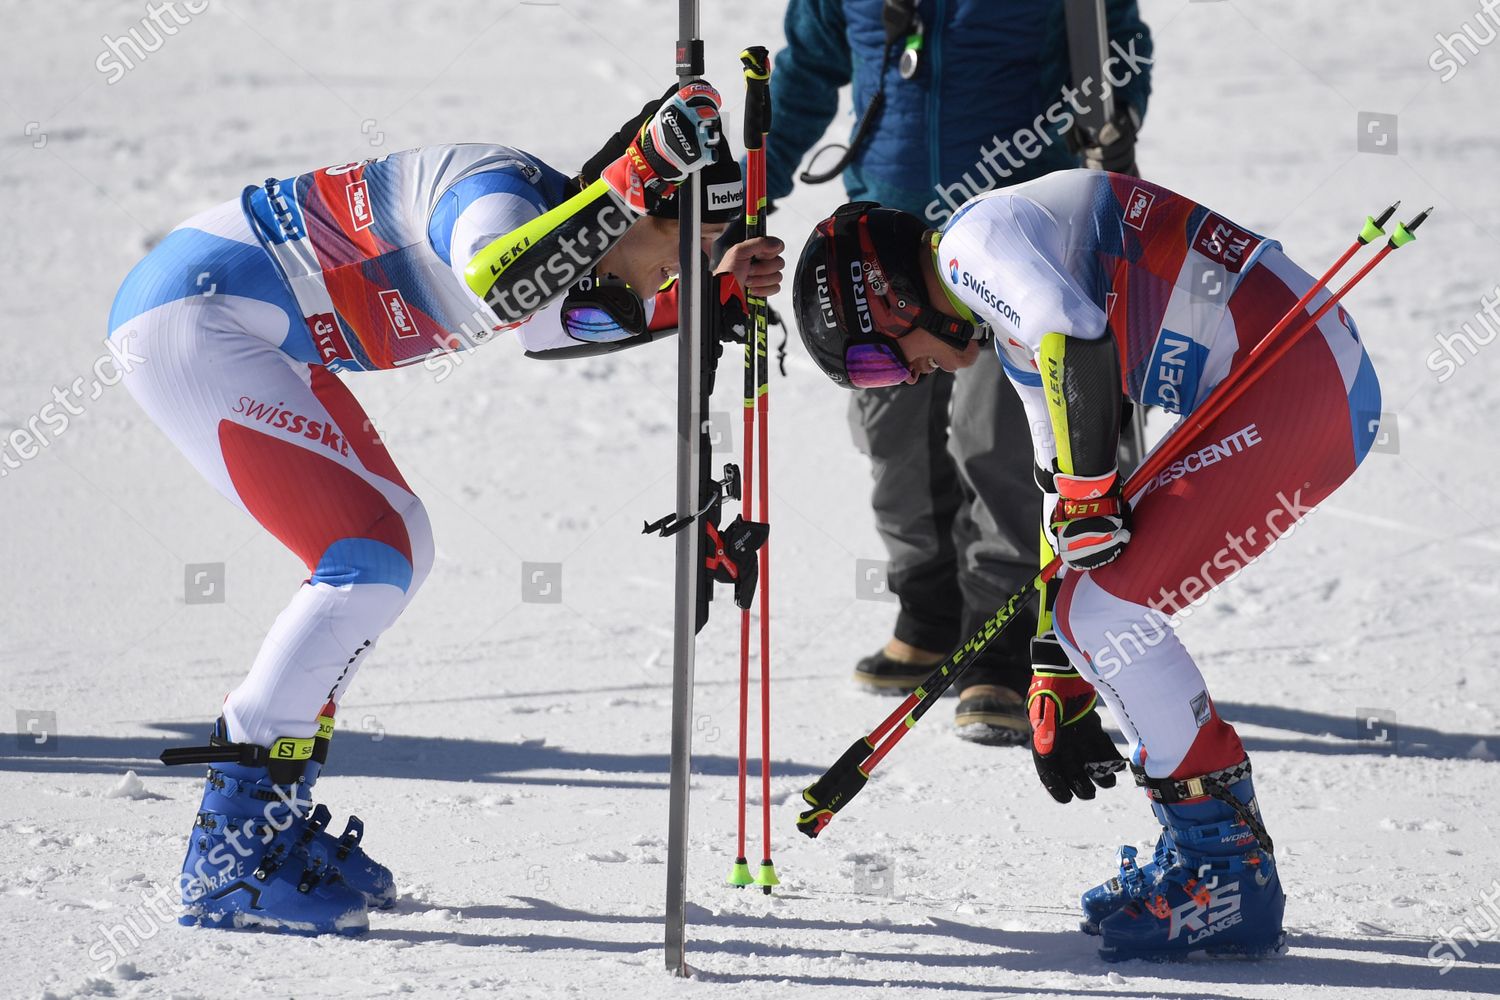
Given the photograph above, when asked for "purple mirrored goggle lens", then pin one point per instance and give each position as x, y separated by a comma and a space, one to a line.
592, 325
874, 366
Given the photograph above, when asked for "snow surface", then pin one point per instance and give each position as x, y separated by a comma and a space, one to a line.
510, 758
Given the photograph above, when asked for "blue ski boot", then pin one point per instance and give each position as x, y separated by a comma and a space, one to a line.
1133, 882
247, 863
373, 879
1215, 888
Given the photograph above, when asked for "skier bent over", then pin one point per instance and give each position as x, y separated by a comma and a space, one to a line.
1099, 288
360, 267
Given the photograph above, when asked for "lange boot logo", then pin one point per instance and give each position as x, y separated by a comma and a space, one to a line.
1221, 913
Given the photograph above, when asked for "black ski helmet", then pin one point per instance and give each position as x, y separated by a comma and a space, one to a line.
859, 280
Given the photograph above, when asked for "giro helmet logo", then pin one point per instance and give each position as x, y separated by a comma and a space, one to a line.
825, 300
861, 305
875, 277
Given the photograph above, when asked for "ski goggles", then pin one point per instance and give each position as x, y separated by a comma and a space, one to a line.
876, 365
593, 325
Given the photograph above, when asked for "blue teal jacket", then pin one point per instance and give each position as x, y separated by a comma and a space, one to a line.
990, 69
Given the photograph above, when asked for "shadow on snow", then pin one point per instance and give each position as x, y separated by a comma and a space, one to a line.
1386, 963
359, 754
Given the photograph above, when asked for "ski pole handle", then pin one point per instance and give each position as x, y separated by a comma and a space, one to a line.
839, 784
756, 61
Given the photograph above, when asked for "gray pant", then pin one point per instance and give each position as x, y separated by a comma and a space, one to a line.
957, 508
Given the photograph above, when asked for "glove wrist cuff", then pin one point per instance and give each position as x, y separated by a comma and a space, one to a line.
1084, 487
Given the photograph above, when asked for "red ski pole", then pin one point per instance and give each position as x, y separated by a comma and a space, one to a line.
1374, 229
757, 67
757, 64
1272, 347
848, 775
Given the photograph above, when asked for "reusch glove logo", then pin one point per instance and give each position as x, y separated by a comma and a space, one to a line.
686, 147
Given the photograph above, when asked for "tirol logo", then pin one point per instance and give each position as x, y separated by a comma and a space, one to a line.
358, 195
1137, 207
1223, 242
953, 270
328, 338
1200, 920
396, 311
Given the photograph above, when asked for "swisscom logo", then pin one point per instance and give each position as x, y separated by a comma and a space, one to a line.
967, 280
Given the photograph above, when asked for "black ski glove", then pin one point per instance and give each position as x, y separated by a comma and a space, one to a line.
1069, 747
1115, 147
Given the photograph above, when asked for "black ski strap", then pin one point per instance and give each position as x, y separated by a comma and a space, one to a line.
248, 754
955, 332
1215, 784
